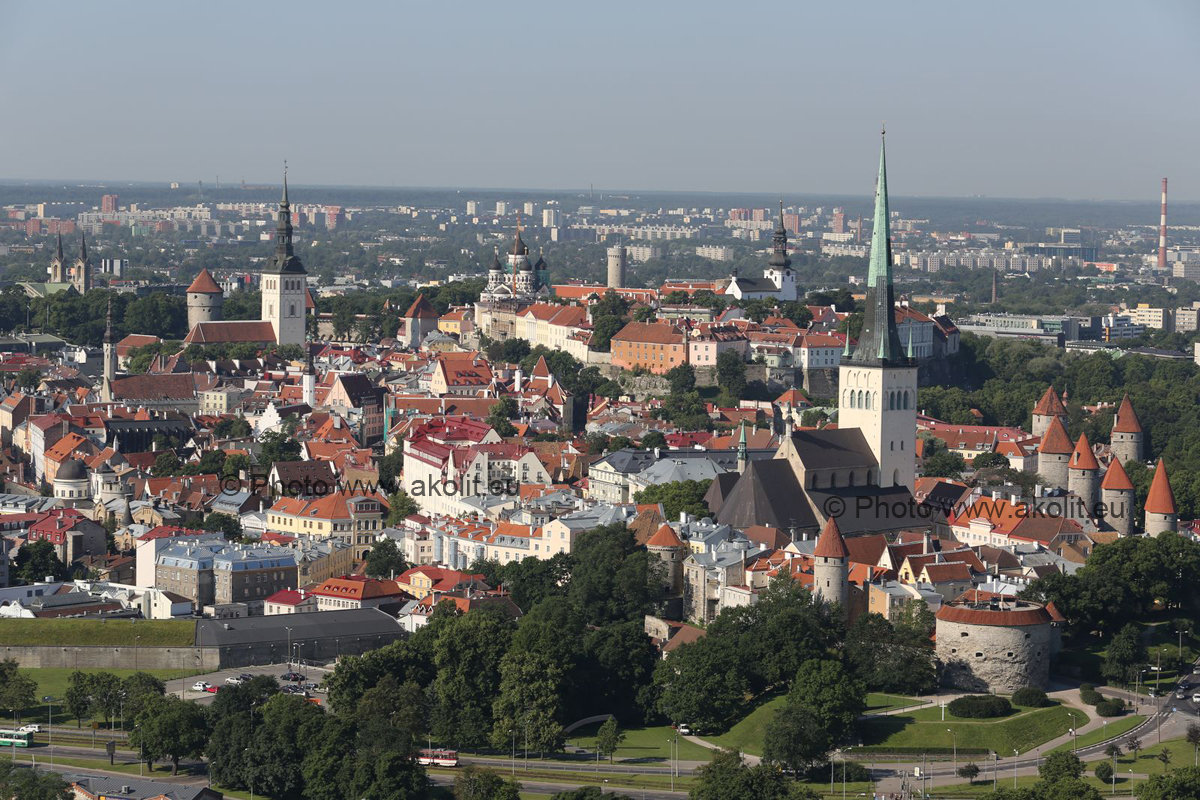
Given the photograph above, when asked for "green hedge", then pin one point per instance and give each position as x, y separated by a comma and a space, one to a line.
1110, 708
1030, 697
980, 706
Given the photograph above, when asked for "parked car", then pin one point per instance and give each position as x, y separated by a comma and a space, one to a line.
684, 730
1180, 695
1196, 698
294, 677
30, 729
213, 689
245, 676
235, 680
201, 686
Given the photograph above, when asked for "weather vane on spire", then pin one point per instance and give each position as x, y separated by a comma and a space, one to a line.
883, 129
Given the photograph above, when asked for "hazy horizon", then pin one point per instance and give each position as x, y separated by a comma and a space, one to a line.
1081, 102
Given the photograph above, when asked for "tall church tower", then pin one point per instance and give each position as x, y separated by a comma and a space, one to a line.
58, 264
283, 281
82, 274
110, 357
877, 382
779, 266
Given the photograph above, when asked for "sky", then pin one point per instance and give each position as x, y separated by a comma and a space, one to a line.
1088, 100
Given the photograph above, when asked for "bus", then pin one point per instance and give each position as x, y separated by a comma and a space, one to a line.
16, 738
438, 758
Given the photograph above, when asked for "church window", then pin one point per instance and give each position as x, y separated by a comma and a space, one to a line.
906, 400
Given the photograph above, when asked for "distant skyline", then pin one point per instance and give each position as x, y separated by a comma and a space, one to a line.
1071, 100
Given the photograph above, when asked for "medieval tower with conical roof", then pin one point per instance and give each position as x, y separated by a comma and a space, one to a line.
1054, 455
831, 567
1050, 407
1083, 473
1127, 435
1161, 514
1116, 493
204, 298
877, 383
283, 281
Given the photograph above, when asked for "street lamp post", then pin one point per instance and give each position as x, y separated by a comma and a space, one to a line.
288, 628
49, 700
514, 752
955, 740
1016, 752
1074, 737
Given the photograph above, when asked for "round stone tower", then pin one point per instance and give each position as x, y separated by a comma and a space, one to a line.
1161, 514
995, 644
204, 298
1127, 435
1054, 455
1048, 408
831, 568
1083, 473
666, 544
1116, 493
616, 266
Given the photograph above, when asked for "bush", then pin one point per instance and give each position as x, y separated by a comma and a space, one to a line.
1104, 772
1091, 696
1110, 708
980, 706
855, 772
1030, 697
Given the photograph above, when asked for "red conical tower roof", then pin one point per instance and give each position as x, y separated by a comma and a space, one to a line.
204, 284
665, 536
1056, 441
1126, 420
1083, 457
1161, 499
1050, 405
831, 544
1116, 479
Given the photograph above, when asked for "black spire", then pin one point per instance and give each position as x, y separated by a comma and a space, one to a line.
108, 334
285, 259
83, 248
60, 250
779, 256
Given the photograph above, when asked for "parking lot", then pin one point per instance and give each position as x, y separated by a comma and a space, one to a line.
184, 687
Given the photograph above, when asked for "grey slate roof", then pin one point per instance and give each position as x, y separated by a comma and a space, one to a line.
345, 624
767, 493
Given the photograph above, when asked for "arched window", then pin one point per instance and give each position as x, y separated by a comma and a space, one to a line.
905, 399
851, 483
833, 480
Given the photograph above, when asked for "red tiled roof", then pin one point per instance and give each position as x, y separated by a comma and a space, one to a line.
1083, 457
1160, 500
831, 544
1116, 480
1050, 404
1056, 441
1126, 420
665, 536
204, 284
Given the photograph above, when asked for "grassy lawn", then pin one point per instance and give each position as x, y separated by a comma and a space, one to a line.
747, 734
53, 681
643, 744
85, 632
877, 702
1022, 731
983, 787
1115, 727
1181, 753
628, 780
